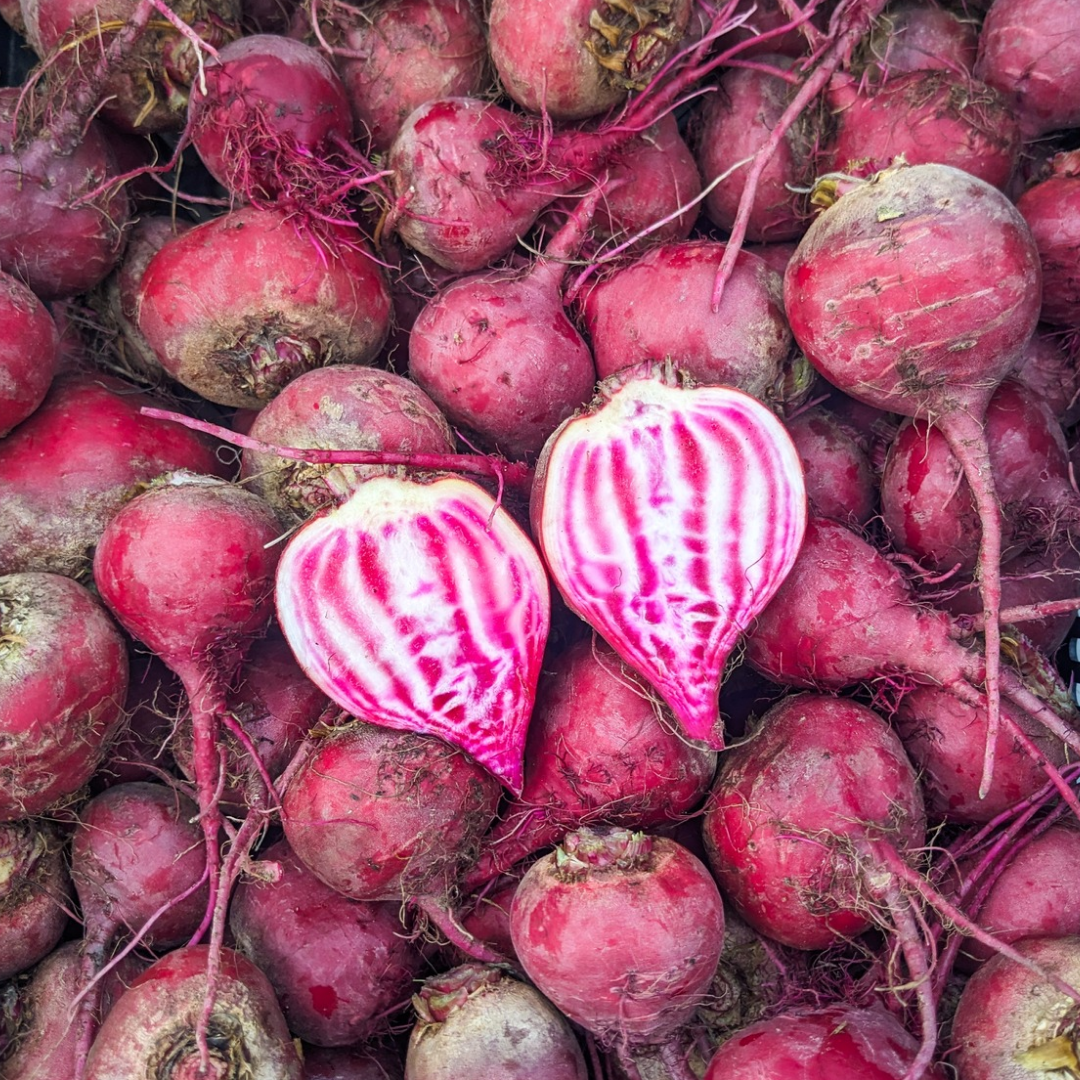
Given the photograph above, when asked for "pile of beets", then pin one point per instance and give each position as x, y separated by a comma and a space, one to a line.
539, 539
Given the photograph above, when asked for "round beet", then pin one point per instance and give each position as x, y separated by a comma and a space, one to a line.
730, 126
344, 406
622, 931
658, 308
601, 749
339, 966
385, 815
920, 117
269, 113
157, 1017
1052, 210
834, 1042
1030, 51
69, 467
573, 59
477, 1022
1012, 1024
53, 238
29, 352
137, 848
240, 305
63, 679
796, 811
394, 55
34, 889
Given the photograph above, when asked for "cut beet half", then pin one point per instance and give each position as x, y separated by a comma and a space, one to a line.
422, 606
668, 515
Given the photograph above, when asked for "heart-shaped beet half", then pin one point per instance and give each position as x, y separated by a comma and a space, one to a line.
668, 516
422, 606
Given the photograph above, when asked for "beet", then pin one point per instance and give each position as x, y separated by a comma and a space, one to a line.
146, 89
34, 893
338, 966
137, 849
63, 679
29, 352
622, 931
1008, 1021
476, 1021
730, 126
55, 235
158, 1015
344, 406
380, 815
928, 116
657, 308
916, 292
837, 1041
794, 857
271, 298
600, 750
395, 55
1052, 210
68, 468
1028, 49
668, 515
573, 59
423, 606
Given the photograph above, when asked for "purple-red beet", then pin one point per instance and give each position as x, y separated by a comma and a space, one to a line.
29, 352
241, 304
157, 1017
916, 292
338, 966
63, 680
658, 308
499, 355
68, 468
622, 931
344, 406
34, 893
601, 749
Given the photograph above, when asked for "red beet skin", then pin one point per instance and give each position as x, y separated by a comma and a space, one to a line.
923, 116
51, 240
137, 848
68, 468
836, 1042
601, 750
29, 352
34, 891
378, 814
621, 931
658, 308
1052, 211
271, 106
156, 1018
63, 679
477, 1022
341, 407
398, 54
269, 300
338, 966
782, 850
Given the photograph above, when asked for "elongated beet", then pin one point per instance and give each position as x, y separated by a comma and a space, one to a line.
916, 292
668, 515
422, 606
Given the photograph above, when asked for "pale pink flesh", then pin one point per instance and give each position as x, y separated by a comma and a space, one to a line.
422, 607
668, 518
